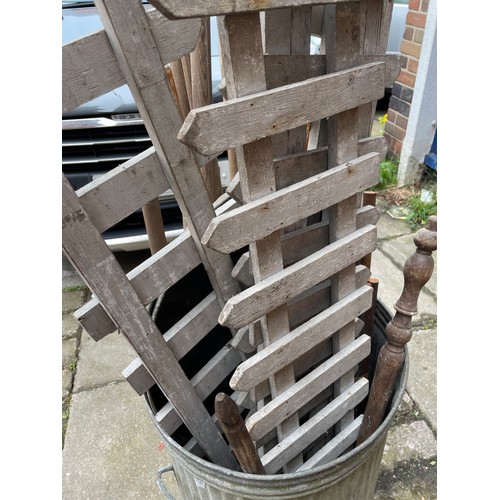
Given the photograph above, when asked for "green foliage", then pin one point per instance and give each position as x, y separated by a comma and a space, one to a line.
420, 211
76, 288
388, 175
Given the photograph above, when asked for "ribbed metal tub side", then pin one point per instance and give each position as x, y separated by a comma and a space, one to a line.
353, 476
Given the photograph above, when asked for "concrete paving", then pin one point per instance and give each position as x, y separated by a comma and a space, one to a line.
112, 450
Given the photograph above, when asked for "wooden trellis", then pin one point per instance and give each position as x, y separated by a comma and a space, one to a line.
299, 126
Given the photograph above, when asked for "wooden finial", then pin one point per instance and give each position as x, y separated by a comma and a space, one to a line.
237, 434
417, 271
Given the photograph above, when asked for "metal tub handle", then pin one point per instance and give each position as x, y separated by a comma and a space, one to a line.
161, 484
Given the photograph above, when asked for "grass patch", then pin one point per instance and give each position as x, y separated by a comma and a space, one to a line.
76, 288
420, 211
71, 366
388, 175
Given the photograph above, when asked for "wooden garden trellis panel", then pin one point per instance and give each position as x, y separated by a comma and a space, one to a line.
239, 113
286, 271
113, 197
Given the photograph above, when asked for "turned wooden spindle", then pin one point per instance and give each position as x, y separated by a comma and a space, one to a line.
237, 434
417, 271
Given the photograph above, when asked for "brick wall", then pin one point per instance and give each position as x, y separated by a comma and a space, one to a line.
402, 90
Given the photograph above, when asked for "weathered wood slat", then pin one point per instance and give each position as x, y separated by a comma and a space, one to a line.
254, 302
175, 9
90, 68
284, 69
204, 383
91, 257
306, 388
115, 195
296, 167
181, 338
317, 425
341, 40
143, 68
303, 242
283, 351
318, 298
302, 365
149, 280
321, 398
275, 211
241, 43
215, 128
335, 447
374, 34
311, 302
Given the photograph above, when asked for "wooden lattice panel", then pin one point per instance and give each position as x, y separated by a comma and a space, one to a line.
298, 126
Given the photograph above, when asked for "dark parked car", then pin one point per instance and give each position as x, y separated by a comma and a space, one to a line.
107, 131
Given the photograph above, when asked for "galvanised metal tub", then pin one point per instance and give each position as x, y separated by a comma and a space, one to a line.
352, 476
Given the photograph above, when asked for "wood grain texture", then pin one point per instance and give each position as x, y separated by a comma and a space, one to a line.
89, 254
285, 350
284, 69
375, 19
335, 447
241, 44
314, 427
175, 9
90, 68
181, 338
234, 429
307, 387
213, 129
143, 68
254, 302
260, 218
205, 382
295, 167
149, 280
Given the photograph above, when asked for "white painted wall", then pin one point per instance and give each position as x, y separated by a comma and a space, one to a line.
422, 121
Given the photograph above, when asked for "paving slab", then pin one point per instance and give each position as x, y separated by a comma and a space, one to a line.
112, 449
70, 326
388, 227
69, 351
400, 249
72, 300
406, 442
422, 376
391, 285
101, 363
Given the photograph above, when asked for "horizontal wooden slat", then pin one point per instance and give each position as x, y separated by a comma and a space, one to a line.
198, 8
297, 245
260, 218
181, 338
290, 68
94, 261
335, 447
90, 68
286, 349
149, 280
115, 195
317, 425
284, 69
204, 383
306, 388
218, 127
295, 167
314, 357
316, 299
251, 304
